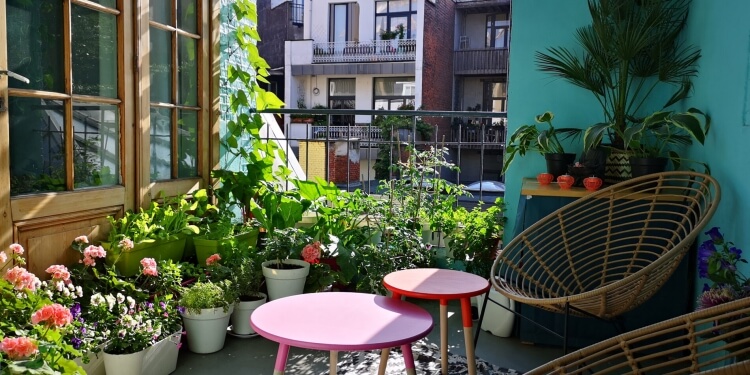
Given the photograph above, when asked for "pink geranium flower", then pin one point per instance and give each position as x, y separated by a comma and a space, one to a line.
16, 248
3, 257
126, 244
58, 272
18, 347
54, 315
22, 279
148, 262
94, 252
81, 239
213, 259
311, 252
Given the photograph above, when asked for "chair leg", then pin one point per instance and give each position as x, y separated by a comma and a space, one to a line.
565, 328
481, 318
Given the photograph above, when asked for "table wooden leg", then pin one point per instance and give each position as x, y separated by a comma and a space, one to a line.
408, 359
334, 362
468, 336
383, 361
444, 336
281, 355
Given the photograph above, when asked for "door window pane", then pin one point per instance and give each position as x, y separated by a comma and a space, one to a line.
35, 48
161, 66
94, 36
187, 18
187, 71
96, 145
338, 30
398, 6
187, 144
37, 145
160, 11
161, 144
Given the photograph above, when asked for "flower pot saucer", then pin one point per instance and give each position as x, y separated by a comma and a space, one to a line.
229, 332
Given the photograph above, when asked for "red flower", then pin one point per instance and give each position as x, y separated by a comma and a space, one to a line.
213, 259
311, 253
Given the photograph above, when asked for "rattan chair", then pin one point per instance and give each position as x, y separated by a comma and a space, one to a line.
698, 342
606, 253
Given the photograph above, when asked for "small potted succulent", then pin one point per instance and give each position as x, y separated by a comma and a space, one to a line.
207, 307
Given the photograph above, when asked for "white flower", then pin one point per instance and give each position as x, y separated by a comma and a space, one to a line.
97, 299
71, 287
66, 293
79, 291
131, 302
59, 285
120, 298
49, 294
110, 301
44, 284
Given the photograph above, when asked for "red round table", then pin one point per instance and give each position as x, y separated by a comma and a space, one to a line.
341, 321
443, 285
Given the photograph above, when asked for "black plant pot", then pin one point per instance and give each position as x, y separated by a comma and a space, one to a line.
643, 166
557, 164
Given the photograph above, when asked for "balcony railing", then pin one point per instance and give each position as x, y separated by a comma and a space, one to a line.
376, 50
363, 132
481, 61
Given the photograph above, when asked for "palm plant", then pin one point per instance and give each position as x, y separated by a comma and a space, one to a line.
631, 48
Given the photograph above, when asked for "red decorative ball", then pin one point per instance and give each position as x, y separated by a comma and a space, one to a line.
545, 178
592, 183
565, 181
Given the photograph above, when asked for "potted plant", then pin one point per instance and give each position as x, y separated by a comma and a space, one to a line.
653, 140
207, 308
476, 238
221, 229
529, 138
156, 232
285, 273
630, 50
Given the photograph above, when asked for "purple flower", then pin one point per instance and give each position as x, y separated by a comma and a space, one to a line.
705, 251
180, 309
162, 305
75, 310
715, 235
736, 252
716, 296
76, 342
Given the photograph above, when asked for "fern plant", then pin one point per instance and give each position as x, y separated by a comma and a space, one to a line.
207, 295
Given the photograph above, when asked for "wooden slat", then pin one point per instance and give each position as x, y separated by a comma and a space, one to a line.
215, 105
51, 204
174, 187
101, 99
171, 105
126, 70
23, 93
68, 104
6, 219
173, 29
142, 95
202, 48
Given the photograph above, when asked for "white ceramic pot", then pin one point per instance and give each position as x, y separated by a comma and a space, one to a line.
206, 331
161, 358
96, 362
497, 320
124, 364
285, 282
241, 316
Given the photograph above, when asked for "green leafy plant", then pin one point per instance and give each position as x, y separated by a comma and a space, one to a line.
475, 239
278, 208
631, 49
155, 222
285, 243
529, 138
660, 132
207, 295
400, 249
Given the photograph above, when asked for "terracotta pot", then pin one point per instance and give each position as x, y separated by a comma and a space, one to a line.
565, 181
545, 178
592, 183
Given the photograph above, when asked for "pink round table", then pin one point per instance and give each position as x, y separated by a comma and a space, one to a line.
341, 321
443, 285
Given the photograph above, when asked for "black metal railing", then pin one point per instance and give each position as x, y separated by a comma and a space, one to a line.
476, 148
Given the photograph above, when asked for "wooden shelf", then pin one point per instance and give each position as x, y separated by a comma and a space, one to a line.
531, 186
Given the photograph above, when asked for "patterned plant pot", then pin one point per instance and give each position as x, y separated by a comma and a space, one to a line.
617, 168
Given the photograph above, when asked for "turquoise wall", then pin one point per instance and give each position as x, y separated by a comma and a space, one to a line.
539, 24
719, 28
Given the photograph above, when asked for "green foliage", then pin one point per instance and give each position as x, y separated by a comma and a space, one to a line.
529, 138
285, 243
155, 222
630, 49
401, 248
207, 295
475, 240
389, 126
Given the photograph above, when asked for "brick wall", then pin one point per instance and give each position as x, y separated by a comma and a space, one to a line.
437, 68
343, 162
275, 27
312, 158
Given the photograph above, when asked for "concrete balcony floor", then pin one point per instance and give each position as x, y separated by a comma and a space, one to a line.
256, 356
